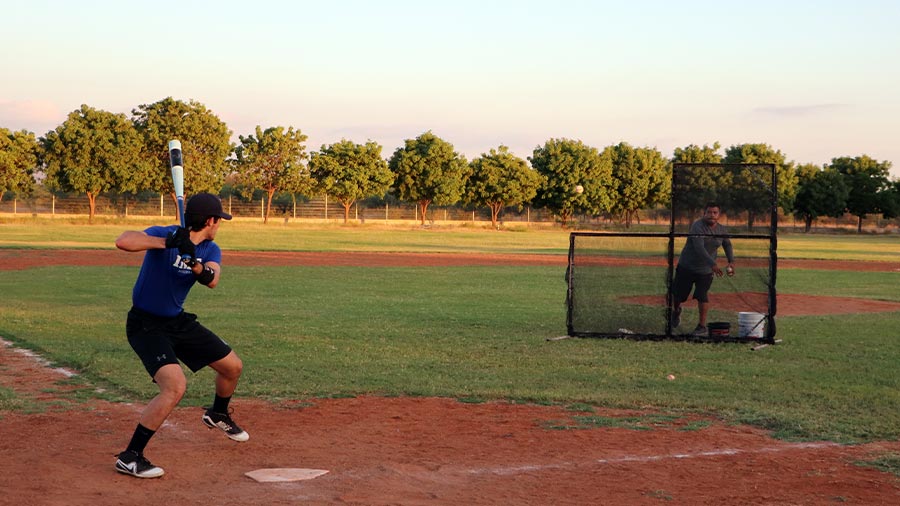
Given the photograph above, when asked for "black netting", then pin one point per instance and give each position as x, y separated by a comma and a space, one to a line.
620, 285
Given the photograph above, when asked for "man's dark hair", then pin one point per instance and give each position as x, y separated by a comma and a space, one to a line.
711, 204
197, 222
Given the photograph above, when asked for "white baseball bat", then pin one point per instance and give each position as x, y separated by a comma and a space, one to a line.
176, 163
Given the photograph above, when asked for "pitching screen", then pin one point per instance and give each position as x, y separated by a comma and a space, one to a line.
624, 284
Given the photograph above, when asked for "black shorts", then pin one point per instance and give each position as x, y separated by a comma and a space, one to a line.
685, 280
161, 341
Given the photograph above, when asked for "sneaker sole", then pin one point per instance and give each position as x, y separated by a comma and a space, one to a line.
243, 436
127, 471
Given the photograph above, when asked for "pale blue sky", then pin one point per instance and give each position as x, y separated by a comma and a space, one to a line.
815, 79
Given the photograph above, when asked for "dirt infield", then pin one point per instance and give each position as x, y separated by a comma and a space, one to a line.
11, 259
403, 451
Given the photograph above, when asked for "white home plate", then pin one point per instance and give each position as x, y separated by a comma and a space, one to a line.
285, 474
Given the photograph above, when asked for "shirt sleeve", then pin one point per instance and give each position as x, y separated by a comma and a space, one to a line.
729, 250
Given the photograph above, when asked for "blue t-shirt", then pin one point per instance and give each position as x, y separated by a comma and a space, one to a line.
164, 280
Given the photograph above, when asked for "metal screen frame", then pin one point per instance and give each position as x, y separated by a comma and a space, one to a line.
772, 236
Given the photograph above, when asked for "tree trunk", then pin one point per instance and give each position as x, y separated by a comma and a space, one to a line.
423, 206
495, 213
347, 206
808, 223
92, 203
859, 224
269, 195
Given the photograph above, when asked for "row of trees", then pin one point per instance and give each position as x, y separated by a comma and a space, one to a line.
94, 152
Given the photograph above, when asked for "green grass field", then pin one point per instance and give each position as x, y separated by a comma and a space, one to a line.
467, 332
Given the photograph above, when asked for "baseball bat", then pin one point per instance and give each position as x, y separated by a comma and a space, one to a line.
176, 163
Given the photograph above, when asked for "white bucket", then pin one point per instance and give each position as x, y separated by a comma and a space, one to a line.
751, 325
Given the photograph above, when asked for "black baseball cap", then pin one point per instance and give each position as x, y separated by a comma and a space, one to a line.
206, 204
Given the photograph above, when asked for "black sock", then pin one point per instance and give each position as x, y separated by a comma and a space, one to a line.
140, 439
220, 405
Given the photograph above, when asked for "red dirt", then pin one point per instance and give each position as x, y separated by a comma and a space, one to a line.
12, 259
386, 451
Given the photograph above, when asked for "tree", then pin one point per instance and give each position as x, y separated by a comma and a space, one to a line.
205, 145
272, 161
819, 193
92, 152
501, 179
868, 182
890, 206
694, 188
427, 170
18, 160
351, 172
642, 177
565, 164
696, 154
751, 193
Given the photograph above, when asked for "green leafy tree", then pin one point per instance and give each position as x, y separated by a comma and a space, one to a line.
819, 193
565, 164
891, 204
869, 183
272, 161
18, 159
501, 179
643, 179
427, 170
205, 144
351, 172
751, 193
694, 187
697, 154
92, 152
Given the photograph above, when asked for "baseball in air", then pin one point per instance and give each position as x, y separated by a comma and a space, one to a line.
579, 189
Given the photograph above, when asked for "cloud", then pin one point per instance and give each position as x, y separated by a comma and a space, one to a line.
798, 111
35, 115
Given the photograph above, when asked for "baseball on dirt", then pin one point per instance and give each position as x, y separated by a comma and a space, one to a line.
670, 377
579, 189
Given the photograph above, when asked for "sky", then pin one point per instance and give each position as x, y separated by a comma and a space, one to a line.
813, 79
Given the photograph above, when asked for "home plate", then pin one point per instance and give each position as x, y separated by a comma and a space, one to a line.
285, 474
